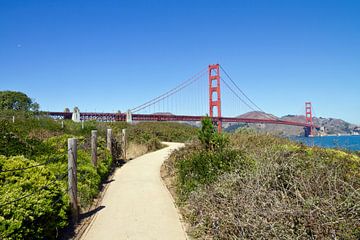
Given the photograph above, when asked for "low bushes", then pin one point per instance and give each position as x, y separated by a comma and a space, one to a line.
89, 177
33, 205
45, 213
204, 167
265, 187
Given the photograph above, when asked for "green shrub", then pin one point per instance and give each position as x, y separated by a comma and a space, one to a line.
163, 131
89, 177
204, 167
38, 215
13, 142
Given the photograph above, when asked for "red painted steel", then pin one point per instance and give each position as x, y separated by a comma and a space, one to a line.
214, 75
107, 117
308, 117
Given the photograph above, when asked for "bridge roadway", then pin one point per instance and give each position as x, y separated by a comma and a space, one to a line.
110, 117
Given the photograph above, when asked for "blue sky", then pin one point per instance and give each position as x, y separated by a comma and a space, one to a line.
110, 55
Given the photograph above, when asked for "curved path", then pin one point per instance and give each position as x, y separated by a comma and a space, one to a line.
137, 205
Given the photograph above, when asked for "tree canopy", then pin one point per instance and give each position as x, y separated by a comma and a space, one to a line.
18, 101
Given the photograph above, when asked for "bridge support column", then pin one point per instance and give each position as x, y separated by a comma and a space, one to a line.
76, 115
214, 89
309, 131
129, 117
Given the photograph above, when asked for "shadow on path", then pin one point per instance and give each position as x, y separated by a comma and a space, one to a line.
90, 213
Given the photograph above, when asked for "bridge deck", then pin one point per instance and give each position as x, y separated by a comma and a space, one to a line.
109, 117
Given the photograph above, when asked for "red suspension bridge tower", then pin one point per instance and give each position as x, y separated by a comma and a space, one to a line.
214, 93
309, 119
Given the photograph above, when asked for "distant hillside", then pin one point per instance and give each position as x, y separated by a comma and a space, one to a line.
332, 125
257, 115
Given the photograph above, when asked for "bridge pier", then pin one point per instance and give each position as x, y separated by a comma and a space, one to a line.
76, 115
307, 131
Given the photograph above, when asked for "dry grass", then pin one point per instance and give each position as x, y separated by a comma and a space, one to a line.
135, 150
294, 192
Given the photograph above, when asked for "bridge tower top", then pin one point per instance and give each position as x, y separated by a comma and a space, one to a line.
214, 93
309, 116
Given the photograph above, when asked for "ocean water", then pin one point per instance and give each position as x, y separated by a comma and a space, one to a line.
346, 142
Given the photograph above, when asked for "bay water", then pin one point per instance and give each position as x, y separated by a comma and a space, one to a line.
351, 143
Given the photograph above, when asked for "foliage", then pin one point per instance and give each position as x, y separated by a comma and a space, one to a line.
206, 133
36, 216
13, 143
204, 167
205, 164
10, 100
151, 134
41, 139
89, 177
210, 139
290, 191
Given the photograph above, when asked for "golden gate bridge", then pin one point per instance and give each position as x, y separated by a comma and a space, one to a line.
214, 95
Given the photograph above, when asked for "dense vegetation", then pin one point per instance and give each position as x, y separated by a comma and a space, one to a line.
34, 202
10, 100
257, 186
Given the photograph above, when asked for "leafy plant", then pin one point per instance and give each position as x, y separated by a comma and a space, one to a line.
10, 100
210, 139
32, 203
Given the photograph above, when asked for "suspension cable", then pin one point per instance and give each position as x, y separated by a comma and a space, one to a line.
170, 92
242, 100
243, 93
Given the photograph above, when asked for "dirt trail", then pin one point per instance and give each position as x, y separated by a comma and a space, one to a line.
137, 205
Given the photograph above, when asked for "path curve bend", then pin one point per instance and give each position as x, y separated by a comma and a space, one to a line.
137, 205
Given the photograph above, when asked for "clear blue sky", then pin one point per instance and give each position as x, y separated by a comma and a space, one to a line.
110, 55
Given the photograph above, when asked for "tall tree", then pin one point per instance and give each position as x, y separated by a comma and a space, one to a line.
11, 100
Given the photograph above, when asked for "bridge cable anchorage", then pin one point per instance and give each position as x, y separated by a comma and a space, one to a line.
171, 92
243, 93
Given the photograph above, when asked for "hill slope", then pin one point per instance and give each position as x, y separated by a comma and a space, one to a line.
332, 125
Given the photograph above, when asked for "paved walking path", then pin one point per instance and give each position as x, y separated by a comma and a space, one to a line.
137, 205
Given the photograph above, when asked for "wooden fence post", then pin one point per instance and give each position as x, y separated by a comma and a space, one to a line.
62, 124
72, 178
13, 119
109, 139
124, 143
94, 147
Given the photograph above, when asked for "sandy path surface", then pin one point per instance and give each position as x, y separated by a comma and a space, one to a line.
137, 205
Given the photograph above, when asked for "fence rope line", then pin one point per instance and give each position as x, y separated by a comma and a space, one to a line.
40, 189
242, 100
44, 187
29, 167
